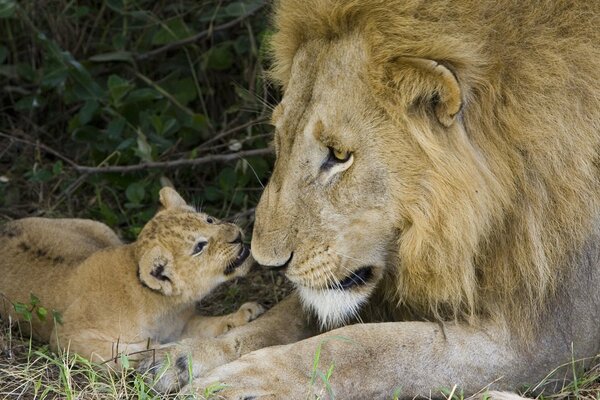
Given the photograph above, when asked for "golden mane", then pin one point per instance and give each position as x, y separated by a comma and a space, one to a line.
516, 187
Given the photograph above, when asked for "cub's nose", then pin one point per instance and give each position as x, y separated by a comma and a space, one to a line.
232, 233
238, 238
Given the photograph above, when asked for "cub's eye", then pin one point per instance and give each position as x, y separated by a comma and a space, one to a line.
210, 220
199, 247
338, 155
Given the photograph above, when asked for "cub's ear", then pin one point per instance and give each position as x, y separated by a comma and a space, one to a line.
428, 80
169, 198
156, 270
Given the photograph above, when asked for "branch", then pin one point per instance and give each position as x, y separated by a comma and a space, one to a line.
174, 163
196, 37
42, 146
145, 165
233, 130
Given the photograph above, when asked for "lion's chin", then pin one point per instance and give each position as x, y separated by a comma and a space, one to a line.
333, 307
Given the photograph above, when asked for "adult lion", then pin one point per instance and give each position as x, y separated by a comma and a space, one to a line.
436, 161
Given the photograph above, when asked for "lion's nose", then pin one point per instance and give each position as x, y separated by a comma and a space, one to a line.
280, 266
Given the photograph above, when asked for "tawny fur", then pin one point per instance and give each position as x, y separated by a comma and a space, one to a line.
471, 196
111, 297
511, 188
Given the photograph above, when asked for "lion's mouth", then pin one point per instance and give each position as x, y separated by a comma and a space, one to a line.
238, 260
357, 278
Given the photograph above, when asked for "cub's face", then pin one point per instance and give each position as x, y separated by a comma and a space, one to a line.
182, 252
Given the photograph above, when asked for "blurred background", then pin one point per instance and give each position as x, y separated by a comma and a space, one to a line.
102, 102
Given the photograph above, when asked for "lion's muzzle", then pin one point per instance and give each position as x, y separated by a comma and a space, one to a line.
357, 278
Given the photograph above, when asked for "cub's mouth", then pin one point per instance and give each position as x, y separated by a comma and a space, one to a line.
238, 260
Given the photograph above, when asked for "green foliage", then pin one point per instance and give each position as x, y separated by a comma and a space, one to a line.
109, 83
34, 308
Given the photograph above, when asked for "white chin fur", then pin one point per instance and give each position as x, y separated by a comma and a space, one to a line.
333, 307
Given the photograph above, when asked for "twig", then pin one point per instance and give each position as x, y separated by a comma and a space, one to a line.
42, 146
196, 37
233, 130
145, 165
174, 163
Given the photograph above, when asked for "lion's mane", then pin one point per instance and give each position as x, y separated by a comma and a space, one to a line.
507, 206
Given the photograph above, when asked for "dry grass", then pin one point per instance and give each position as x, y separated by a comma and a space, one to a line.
29, 371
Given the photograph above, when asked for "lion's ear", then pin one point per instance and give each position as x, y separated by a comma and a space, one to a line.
169, 198
156, 270
433, 82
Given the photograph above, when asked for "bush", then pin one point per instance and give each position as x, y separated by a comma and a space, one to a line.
103, 101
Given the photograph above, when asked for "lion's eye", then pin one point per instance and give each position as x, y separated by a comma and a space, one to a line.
339, 155
199, 247
337, 161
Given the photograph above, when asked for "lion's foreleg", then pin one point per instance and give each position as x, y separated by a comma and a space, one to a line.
171, 364
378, 361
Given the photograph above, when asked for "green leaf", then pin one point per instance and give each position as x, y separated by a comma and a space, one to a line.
126, 144
212, 194
242, 45
86, 84
57, 168
135, 192
28, 103
236, 9
54, 76
41, 312
108, 215
20, 308
144, 94
26, 72
118, 88
27, 316
80, 11
198, 122
115, 5
239, 8
171, 31
227, 179
41, 175
219, 58
115, 56
124, 360
164, 125
57, 317
115, 128
86, 134
7, 8
87, 111
184, 90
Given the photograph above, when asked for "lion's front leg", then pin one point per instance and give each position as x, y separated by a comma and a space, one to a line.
171, 365
378, 361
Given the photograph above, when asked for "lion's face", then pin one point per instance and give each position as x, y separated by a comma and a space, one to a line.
182, 252
327, 211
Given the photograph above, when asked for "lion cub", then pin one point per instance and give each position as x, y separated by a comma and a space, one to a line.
117, 298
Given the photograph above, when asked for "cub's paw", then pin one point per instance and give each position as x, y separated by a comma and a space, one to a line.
169, 367
250, 311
